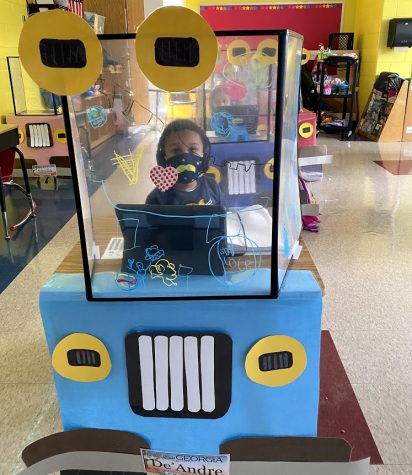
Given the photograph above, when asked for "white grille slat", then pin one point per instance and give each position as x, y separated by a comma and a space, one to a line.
176, 373
247, 176
252, 177
230, 174
37, 135
42, 137
31, 130
161, 346
192, 373
146, 372
45, 133
241, 175
207, 364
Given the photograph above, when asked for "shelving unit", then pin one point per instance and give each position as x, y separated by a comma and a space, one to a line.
383, 119
350, 69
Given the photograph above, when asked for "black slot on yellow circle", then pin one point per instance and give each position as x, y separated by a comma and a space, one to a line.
269, 169
81, 357
305, 130
60, 52
176, 49
305, 56
276, 360
21, 136
238, 52
60, 136
267, 51
215, 172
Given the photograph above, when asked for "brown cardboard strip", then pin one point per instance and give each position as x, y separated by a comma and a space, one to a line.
102, 462
287, 449
88, 440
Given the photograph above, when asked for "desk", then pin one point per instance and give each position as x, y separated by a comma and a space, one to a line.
9, 139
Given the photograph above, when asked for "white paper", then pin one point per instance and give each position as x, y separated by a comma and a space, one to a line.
182, 463
114, 249
253, 223
44, 170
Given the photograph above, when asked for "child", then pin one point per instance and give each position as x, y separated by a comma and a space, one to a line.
184, 146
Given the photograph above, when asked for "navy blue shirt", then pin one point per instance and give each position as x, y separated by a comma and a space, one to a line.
207, 192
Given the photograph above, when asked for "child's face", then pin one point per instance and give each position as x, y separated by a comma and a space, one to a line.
184, 141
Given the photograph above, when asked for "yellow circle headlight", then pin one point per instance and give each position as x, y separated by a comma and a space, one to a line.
238, 52
275, 360
176, 49
267, 51
268, 169
60, 52
305, 56
60, 136
81, 357
305, 130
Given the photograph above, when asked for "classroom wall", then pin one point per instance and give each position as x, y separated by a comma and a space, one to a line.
367, 30
371, 34
11, 23
348, 7
388, 58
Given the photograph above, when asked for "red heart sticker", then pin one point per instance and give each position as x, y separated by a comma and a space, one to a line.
163, 178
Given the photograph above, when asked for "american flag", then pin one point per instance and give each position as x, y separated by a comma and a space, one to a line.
77, 7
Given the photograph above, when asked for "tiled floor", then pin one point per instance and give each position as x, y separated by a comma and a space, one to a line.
363, 252
55, 206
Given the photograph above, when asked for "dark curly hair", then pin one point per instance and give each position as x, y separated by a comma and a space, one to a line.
180, 125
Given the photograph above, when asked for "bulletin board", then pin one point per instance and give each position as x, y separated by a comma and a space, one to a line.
312, 20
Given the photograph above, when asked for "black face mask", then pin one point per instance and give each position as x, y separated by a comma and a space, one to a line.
189, 166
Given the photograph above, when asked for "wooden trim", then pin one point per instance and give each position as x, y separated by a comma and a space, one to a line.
407, 137
114, 12
72, 263
393, 129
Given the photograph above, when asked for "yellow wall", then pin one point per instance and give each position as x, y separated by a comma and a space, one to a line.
371, 34
367, 30
11, 22
388, 59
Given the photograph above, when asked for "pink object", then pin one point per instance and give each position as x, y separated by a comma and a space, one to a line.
235, 91
310, 223
327, 90
41, 155
163, 178
306, 129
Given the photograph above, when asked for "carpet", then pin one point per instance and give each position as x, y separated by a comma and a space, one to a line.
396, 167
339, 412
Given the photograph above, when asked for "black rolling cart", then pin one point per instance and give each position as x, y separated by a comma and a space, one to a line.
346, 67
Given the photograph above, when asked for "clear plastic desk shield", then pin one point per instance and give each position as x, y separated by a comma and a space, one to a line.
189, 194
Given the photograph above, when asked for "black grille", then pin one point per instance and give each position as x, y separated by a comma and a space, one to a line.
269, 52
39, 135
182, 52
239, 51
83, 357
275, 361
179, 375
56, 53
